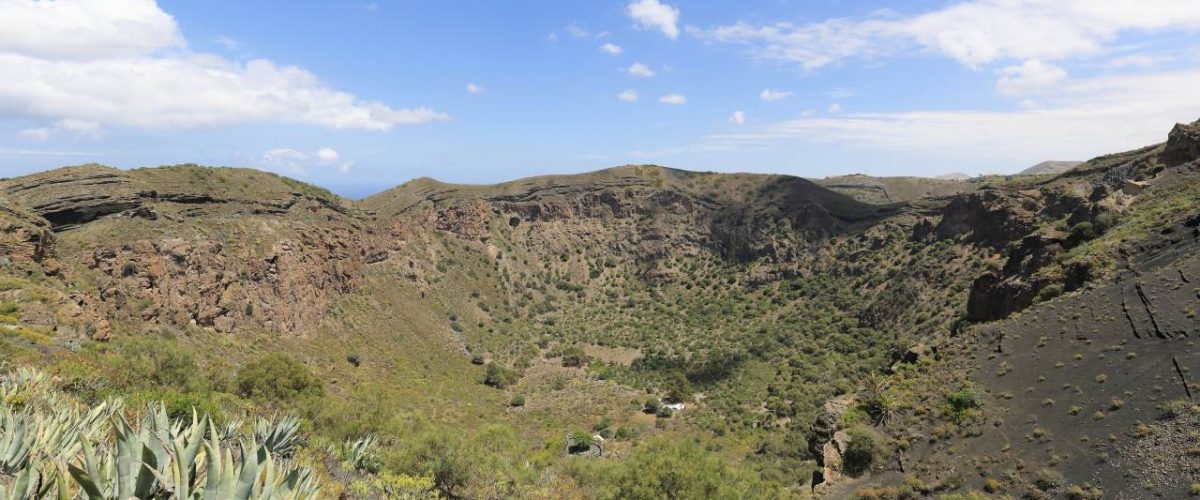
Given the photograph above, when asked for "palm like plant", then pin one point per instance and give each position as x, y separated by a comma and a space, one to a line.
874, 396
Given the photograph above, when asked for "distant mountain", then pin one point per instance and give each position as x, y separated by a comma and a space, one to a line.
1050, 167
885, 190
954, 176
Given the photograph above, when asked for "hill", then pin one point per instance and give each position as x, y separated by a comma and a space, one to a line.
848, 336
884, 190
1050, 168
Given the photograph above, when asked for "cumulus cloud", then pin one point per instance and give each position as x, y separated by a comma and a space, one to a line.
475, 89
1091, 116
294, 162
79, 128
327, 155
80, 29
774, 95
973, 32
673, 99
738, 118
577, 31
228, 42
1029, 77
652, 14
628, 96
125, 63
640, 70
611, 49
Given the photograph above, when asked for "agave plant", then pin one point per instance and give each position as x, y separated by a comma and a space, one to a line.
52, 450
360, 454
280, 438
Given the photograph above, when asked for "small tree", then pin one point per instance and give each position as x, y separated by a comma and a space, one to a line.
862, 449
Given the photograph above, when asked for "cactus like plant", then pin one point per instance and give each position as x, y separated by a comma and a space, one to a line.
52, 449
280, 438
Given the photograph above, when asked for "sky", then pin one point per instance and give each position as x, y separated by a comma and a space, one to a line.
359, 96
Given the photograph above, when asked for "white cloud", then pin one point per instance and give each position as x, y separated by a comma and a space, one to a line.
327, 155
1089, 117
611, 49
774, 95
125, 63
80, 128
738, 118
294, 162
228, 42
80, 29
577, 31
640, 70
41, 134
286, 159
475, 89
673, 99
835, 108
628, 96
651, 14
371, 7
1137, 61
1029, 77
839, 93
973, 32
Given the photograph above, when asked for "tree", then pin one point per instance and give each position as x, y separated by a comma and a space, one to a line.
667, 469
277, 377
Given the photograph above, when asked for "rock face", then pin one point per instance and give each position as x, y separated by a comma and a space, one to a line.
647, 211
75, 195
1183, 144
24, 238
986, 218
214, 248
829, 440
198, 282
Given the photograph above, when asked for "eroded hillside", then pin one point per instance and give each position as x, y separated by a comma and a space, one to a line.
789, 321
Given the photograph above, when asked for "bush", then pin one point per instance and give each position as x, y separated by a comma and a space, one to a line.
1048, 479
574, 357
624, 433
670, 469
156, 363
1050, 291
517, 401
276, 377
862, 449
652, 406
1174, 409
179, 406
499, 376
962, 401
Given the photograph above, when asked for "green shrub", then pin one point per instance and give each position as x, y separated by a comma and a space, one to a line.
277, 377
962, 401
179, 406
1174, 409
862, 449
156, 363
499, 376
1047, 479
517, 401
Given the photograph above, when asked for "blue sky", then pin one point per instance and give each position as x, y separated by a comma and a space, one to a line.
360, 96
